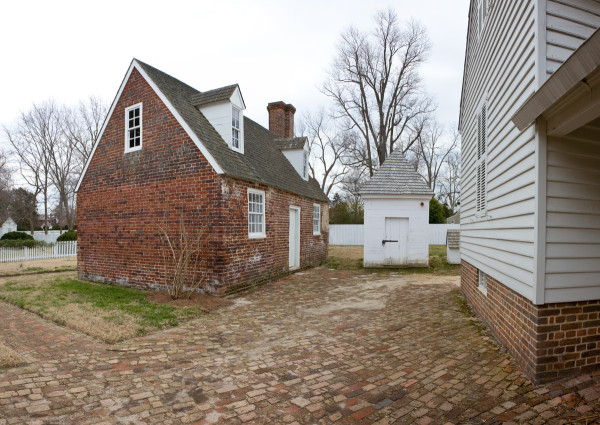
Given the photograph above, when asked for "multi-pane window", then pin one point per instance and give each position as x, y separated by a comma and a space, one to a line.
481, 189
256, 213
316, 219
133, 127
235, 127
482, 281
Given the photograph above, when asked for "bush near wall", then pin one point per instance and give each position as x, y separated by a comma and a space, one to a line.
20, 243
71, 235
16, 236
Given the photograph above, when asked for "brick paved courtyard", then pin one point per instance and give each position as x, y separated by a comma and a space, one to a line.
319, 347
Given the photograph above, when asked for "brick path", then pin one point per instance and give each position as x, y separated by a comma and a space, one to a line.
321, 347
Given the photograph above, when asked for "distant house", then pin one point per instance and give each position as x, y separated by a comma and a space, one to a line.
8, 225
168, 151
396, 230
530, 225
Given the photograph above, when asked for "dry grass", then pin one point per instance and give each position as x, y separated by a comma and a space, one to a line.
346, 257
109, 313
346, 251
38, 266
9, 357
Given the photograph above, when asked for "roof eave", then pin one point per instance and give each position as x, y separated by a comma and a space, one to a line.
575, 70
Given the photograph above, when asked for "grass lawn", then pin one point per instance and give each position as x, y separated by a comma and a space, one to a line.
344, 257
109, 313
53, 265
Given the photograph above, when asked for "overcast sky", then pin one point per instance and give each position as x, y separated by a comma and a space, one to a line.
275, 50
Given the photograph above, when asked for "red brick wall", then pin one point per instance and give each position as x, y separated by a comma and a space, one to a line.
253, 261
548, 341
125, 197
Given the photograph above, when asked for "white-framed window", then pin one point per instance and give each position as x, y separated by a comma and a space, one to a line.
133, 128
482, 148
236, 129
256, 213
305, 165
482, 282
316, 219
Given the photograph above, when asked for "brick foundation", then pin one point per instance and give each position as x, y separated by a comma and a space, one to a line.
548, 341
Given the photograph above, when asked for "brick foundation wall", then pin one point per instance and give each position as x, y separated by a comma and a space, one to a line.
548, 341
124, 198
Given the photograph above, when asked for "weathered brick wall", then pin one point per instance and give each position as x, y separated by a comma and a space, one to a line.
253, 261
124, 198
548, 341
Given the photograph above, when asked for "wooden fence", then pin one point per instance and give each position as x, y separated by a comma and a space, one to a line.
352, 234
59, 249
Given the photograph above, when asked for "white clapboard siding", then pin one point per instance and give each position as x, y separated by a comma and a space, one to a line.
353, 234
568, 24
500, 66
573, 217
60, 249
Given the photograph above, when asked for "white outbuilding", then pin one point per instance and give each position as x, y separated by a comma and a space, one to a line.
396, 216
8, 226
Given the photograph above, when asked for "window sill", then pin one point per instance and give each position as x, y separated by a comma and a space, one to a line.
137, 148
316, 234
257, 235
482, 290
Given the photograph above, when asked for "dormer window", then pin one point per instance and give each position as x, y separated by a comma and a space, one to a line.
235, 127
133, 128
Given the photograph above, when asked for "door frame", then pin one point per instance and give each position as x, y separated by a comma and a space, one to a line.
296, 263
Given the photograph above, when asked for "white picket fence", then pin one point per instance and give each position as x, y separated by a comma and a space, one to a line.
353, 234
59, 249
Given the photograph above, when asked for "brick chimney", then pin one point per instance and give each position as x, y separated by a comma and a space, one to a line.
281, 119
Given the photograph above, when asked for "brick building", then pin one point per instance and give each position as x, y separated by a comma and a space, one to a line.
169, 152
530, 201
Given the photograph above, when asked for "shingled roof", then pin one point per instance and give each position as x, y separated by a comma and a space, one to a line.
211, 96
396, 177
262, 160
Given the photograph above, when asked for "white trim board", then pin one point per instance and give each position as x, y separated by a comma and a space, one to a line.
135, 65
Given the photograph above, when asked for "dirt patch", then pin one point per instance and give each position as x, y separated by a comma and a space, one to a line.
373, 293
36, 266
205, 301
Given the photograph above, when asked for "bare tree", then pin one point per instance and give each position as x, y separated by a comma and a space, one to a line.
181, 249
431, 153
450, 182
329, 149
376, 88
63, 169
32, 139
83, 126
5, 186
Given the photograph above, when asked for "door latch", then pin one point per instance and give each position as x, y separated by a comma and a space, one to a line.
385, 240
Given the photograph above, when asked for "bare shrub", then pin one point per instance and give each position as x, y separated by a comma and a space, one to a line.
181, 259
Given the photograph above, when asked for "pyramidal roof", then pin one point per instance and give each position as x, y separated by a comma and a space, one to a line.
396, 177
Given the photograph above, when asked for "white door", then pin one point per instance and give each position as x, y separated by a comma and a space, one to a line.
396, 241
294, 238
